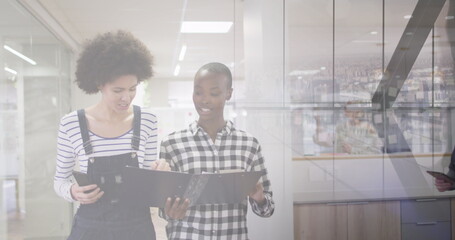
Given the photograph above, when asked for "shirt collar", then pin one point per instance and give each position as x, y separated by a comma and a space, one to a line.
227, 129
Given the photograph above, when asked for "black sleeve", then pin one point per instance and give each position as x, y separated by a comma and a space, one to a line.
451, 172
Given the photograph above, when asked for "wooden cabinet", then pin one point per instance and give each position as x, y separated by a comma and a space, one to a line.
348, 221
374, 221
320, 222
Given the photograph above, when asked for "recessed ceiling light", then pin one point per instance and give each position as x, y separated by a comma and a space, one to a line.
365, 41
304, 72
177, 70
205, 27
17, 53
10, 70
182, 53
407, 16
373, 33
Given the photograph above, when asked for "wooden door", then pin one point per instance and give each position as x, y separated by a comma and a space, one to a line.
374, 221
320, 222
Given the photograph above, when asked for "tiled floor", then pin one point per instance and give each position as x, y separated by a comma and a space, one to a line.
16, 219
15, 225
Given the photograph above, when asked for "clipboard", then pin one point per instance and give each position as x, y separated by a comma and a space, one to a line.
151, 188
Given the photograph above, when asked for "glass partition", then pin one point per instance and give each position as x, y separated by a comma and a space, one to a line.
34, 93
388, 118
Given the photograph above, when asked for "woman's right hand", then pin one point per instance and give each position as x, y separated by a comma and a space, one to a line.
86, 194
161, 165
442, 185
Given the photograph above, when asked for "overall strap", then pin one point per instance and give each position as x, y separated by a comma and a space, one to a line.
136, 128
84, 132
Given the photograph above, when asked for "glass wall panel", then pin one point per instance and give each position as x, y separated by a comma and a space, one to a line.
358, 68
443, 88
309, 62
391, 85
35, 92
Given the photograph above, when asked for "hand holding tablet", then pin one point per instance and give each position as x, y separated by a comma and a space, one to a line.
442, 176
443, 182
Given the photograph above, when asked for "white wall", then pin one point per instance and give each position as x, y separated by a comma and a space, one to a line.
264, 95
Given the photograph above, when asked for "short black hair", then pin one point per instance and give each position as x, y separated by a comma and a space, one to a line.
219, 68
111, 55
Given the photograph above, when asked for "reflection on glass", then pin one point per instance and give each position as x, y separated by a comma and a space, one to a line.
425, 131
357, 135
401, 126
33, 96
358, 49
312, 132
354, 134
310, 31
444, 85
417, 89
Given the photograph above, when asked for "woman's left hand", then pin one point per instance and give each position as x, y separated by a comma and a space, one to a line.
258, 194
161, 165
176, 210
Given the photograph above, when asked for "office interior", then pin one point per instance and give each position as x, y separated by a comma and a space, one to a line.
302, 70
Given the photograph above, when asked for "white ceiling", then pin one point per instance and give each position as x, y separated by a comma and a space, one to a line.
156, 23
309, 28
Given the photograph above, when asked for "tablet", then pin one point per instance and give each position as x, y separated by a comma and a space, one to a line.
440, 175
82, 179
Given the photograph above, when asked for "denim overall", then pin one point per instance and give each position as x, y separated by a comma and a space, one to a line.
109, 219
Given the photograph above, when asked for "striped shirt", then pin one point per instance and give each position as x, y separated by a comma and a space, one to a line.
193, 151
71, 154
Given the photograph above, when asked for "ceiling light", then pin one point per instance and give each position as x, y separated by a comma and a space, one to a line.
304, 72
182, 53
205, 27
11, 70
177, 70
27, 59
366, 41
407, 16
373, 33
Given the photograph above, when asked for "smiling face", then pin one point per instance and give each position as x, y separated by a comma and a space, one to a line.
119, 93
210, 93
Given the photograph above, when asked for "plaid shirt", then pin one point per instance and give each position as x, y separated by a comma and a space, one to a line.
193, 151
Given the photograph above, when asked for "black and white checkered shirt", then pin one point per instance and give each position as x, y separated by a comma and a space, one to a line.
193, 151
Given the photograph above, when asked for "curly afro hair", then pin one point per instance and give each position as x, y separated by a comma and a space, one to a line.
111, 55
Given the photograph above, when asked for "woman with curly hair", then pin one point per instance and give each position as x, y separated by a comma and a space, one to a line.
103, 138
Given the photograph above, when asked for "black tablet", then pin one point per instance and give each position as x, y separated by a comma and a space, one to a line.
81, 178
